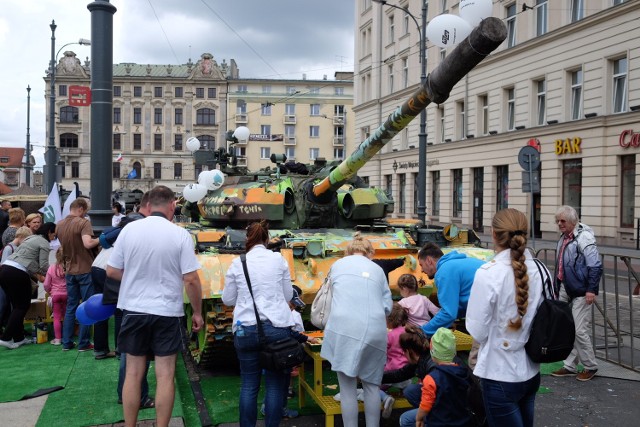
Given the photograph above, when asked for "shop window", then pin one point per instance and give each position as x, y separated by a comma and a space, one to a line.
457, 193
627, 190
502, 187
572, 184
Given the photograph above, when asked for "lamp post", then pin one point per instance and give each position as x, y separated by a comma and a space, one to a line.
27, 166
51, 155
422, 135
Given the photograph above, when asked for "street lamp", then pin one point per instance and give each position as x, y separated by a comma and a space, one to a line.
27, 166
51, 155
422, 135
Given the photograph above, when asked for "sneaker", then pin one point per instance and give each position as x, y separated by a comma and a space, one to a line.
105, 355
87, 348
23, 342
8, 344
71, 347
262, 409
586, 375
387, 406
290, 393
289, 413
563, 372
56, 342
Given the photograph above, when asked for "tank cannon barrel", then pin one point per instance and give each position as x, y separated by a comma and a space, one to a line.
483, 40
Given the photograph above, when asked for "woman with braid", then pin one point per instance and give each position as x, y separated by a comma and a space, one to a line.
505, 295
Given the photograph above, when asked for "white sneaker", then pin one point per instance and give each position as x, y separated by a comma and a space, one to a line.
56, 342
8, 344
387, 406
23, 342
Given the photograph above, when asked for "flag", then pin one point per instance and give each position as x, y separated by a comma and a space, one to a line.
119, 158
132, 174
66, 209
51, 209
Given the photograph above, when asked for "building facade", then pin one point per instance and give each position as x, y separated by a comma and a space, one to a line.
566, 82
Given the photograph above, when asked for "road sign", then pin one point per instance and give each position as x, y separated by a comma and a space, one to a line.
529, 158
526, 182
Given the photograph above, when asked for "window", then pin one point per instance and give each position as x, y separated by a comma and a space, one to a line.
415, 193
462, 125
178, 116
157, 142
265, 129
241, 107
511, 25
211, 92
405, 72
115, 170
137, 115
435, 193
242, 89
177, 171
444, 6
502, 187
338, 91
572, 184
157, 116
199, 92
442, 122
478, 202
542, 17
402, 183
265, 152
388, 179
157, 91
62, 90
197, 170
117, 141
542, 102
291, 90
314, 110
75, 169
137, 141
620, 85
314, 153
290, 130
266, 109
68, 140
457, 193
207, 142
138, 168
314, 131
178, 92
137, 91
511, 109
177, 142
314, 90
62, 167
117, 91
484, 103
157, 171
576, 95
206, 116
577, 10
392, 29
290, 109
405, 23
266, 88
68, 115
390, 68
627, 190
290, 152
116, 115
338, 153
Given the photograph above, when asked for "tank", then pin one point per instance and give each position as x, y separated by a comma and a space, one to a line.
314, 210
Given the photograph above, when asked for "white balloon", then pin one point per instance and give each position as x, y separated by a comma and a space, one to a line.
474, 11
206, 178
194, 192
218, 179
242, 133
193, 144
447, 30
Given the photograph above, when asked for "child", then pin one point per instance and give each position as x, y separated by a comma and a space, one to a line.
419, 308
396, 321
56, 285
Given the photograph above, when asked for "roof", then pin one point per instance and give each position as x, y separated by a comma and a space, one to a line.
14, 156
25, 193
5, 189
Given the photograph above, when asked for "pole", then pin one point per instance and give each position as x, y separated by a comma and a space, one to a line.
533, 212
51, 156
422, 136
28, 166
101, 109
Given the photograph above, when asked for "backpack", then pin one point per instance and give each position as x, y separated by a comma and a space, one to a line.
553, 330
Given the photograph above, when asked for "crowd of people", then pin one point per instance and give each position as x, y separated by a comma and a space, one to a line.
371, 342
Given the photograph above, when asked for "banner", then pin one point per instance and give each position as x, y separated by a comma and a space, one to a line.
51, 210
132, 174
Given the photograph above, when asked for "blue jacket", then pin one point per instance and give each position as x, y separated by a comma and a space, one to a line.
454, 277
582, 267
451, 407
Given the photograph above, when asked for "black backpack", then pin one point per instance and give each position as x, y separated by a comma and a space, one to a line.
553, 330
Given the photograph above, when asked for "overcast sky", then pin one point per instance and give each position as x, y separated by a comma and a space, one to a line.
267, 38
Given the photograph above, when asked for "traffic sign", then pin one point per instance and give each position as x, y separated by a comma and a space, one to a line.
529, 158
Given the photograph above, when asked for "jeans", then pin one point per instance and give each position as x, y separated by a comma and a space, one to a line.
510, 404
78, 287
144, 391
248, 350
413, 394
100, 329
408, 418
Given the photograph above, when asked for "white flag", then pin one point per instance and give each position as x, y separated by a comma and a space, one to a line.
51, 209
66, 209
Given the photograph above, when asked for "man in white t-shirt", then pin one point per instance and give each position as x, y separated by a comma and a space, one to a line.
153, 259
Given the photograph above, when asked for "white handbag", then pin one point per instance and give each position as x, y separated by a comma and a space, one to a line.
321, 307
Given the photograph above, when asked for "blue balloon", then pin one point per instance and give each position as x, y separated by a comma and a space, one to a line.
82, 317
98, 311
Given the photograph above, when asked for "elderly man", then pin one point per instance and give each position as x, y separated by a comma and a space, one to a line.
154, 259
578, 272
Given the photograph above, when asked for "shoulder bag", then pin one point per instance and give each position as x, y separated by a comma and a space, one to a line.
321, 307
553, 330
279, 355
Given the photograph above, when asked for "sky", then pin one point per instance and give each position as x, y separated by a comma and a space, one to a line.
267, 39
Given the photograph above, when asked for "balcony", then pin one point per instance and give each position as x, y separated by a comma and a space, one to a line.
242, 118
289, 140
242, 161
290, 119
338, 120
75, 151
338, 141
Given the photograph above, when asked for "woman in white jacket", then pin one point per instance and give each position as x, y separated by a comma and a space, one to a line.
504, 298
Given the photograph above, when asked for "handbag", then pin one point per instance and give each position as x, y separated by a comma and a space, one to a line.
553, 329
279, 355
321, 306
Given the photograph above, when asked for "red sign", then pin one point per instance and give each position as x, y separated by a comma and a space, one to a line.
79, 96
535, 143
629, 139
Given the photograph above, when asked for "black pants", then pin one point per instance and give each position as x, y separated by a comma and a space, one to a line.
100, 329
17, 286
